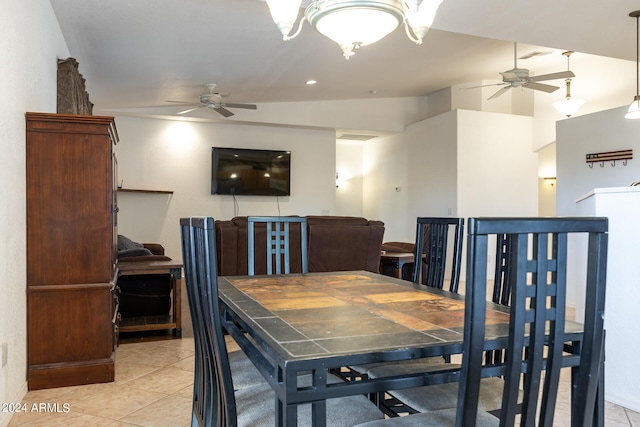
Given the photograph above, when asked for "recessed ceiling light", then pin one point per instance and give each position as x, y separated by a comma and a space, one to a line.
311, 82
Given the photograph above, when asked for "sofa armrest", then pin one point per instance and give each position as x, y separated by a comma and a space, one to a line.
154, 248
395, 247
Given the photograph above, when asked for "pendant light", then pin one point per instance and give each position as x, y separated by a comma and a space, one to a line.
634, 108
568, 106
355, 23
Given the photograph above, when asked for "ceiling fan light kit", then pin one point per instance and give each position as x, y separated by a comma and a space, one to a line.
568, 106
634, 109
355, 23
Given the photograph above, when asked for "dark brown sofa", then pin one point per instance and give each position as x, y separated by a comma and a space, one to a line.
336, 243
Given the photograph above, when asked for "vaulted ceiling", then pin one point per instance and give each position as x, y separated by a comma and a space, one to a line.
142, 53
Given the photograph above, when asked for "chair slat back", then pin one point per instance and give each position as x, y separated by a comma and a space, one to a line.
278, 249
213, 398
431, 250
538, 280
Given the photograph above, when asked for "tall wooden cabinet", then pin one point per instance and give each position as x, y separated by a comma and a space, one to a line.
71, 249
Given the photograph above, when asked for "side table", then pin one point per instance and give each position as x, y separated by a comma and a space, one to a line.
397, 259
150, 323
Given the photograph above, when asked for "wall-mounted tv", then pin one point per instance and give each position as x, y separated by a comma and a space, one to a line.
242, 172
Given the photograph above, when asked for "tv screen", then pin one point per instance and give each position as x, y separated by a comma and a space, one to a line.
239, 171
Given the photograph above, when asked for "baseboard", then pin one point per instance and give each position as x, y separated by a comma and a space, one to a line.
629, 402
5, 417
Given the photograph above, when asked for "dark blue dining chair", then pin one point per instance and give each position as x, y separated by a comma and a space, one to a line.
216, 402
432, 248
538, 331
278, 243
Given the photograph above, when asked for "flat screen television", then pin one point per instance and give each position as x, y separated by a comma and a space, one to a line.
243, 172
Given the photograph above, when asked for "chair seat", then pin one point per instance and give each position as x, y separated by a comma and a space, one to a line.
429, 362
443, 417
256, 408
243, 371
438, 396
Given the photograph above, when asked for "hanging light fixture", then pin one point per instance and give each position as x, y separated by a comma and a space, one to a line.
356, 23
634, 108
568, 106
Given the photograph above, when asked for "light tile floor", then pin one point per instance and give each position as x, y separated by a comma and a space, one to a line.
153, 388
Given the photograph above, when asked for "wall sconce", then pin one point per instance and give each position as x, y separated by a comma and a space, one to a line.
551, 180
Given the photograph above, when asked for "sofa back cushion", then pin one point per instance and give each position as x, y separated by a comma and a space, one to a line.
335, 244
344, 243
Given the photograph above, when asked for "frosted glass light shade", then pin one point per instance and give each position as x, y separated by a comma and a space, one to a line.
355, 23
568, 106
352, 24
420, 20
634, 109
284, 13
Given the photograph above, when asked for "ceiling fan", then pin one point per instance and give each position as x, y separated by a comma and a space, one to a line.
213, 101
519, 77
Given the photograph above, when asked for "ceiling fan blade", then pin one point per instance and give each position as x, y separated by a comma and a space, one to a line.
535, 53
541, 86
182, 102
500, 92
247, 106
223, 111
553, 76
190, 110
491, 84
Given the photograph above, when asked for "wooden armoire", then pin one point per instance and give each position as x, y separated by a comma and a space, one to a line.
71, 249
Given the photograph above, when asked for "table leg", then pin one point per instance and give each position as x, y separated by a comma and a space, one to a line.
287, 415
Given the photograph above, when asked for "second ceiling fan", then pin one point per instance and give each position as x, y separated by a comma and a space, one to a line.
213, 101
519, 77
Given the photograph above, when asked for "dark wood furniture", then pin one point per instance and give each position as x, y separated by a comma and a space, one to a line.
432, 246
153, 323
71, 249
331, 320
397, 260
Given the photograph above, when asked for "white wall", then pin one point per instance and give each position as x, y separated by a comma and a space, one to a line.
593, 133
176, 155
31, 43
460, 163
497, 170
385, 168
349, 185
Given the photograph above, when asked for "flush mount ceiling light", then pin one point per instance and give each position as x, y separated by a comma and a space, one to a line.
568, 106
634, 108
356, 23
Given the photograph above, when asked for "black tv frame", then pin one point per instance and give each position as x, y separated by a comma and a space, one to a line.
251, 172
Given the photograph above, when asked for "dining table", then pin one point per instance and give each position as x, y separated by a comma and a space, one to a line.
316, 323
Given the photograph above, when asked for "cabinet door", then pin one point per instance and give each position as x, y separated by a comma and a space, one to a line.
70, 226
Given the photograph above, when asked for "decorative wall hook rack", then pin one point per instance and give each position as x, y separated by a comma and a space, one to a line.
611, 156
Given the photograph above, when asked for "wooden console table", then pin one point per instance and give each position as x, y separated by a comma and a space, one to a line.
152, 323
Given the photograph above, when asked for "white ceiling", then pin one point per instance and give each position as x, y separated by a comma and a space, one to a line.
141, 53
